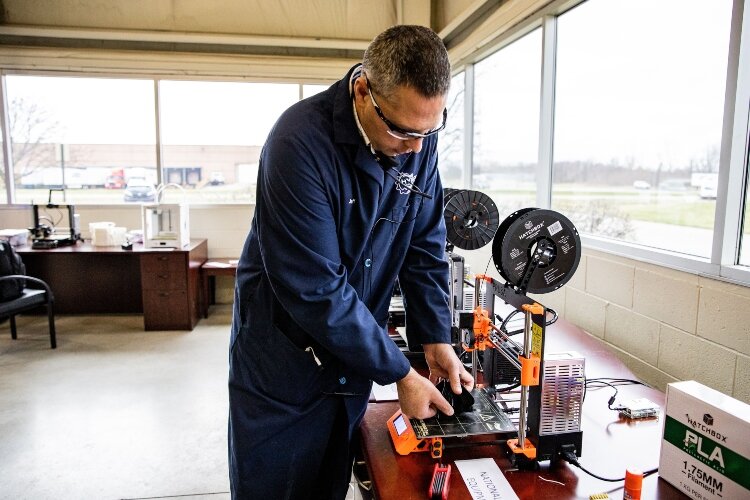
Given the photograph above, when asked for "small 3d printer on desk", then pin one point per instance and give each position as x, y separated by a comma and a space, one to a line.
47, 232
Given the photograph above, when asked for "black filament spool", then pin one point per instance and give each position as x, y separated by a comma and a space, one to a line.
523, 233
471, 219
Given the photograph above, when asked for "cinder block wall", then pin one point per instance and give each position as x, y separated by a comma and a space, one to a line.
666, 325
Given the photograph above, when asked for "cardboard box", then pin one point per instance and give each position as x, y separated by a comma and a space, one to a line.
705, 448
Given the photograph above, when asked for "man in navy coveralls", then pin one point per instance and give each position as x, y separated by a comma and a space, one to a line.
349, 199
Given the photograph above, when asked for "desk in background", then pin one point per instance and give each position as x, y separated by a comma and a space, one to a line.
161, 284
221, 266
610, 444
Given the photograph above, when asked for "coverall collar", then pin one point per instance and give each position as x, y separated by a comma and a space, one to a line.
346, 130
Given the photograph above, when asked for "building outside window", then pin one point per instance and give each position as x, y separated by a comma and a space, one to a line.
212, 134
86, 134
96, 137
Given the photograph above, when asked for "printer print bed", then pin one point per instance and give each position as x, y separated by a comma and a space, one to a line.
484, 418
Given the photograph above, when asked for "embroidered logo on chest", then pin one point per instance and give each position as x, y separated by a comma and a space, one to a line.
404, 182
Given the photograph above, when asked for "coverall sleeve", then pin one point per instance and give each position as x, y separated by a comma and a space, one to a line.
300, 251
424, 276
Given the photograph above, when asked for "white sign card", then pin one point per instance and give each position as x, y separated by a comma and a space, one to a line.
484, 479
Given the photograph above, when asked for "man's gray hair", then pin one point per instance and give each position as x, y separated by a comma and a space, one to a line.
408, 55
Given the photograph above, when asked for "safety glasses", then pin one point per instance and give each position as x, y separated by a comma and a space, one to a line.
398, 132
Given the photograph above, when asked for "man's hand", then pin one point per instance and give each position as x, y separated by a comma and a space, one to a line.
443, 363
419, 398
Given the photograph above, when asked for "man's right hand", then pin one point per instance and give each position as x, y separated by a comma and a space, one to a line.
419, 398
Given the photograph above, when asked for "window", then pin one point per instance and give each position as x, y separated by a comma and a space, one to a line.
638, 119
97, 137
309, 90
3, 189
87, 134
451, 139
212, 134
744, 257
506, 123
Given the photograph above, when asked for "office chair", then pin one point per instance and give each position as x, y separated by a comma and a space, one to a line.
36, 293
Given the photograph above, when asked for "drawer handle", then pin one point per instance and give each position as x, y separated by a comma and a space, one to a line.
163, 276
162, 258
163, 294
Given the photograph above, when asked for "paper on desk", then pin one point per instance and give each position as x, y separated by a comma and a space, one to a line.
216, 264
483, 479
384, 392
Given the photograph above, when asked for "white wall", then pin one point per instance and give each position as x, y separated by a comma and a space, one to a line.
224, 226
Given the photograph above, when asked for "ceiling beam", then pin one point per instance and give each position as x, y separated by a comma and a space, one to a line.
471, 16
37, 36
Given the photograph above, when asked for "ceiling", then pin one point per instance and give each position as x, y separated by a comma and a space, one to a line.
322, 28
261, 39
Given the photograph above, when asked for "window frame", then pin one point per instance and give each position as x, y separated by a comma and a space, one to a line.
7, 163
734, 157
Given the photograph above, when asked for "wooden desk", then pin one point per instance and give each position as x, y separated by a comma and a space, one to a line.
610, 444
161, 284
222, 266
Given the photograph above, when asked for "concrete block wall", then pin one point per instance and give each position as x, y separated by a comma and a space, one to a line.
666, 325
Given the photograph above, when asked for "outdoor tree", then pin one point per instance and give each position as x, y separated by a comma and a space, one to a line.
451, 139
31, 132
708, 162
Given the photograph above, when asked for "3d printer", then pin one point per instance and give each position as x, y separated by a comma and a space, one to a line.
47, 231
166, 225
535, 251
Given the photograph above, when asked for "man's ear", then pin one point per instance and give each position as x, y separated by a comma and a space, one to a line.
360, 88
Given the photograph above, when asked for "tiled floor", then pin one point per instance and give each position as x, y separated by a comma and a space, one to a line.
114, 412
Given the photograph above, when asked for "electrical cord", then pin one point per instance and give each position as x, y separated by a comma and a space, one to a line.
507, 318
554, 316
612, 399
571, 458
504, 322
602, 381
509, 388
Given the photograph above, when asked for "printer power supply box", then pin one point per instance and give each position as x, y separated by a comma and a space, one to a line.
705, 448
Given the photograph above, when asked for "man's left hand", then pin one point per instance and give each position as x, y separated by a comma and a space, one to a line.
443, 363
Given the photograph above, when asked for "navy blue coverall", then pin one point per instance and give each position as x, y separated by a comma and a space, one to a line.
330, 234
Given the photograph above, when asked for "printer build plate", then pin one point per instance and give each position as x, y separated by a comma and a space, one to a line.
484, 418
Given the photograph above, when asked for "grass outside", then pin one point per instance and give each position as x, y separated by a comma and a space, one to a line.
674, 208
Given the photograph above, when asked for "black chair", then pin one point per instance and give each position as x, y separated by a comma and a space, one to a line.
36, 293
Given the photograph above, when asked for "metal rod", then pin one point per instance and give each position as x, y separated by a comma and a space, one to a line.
505, 336
524, 388
522, 418
474, 354
527, 334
